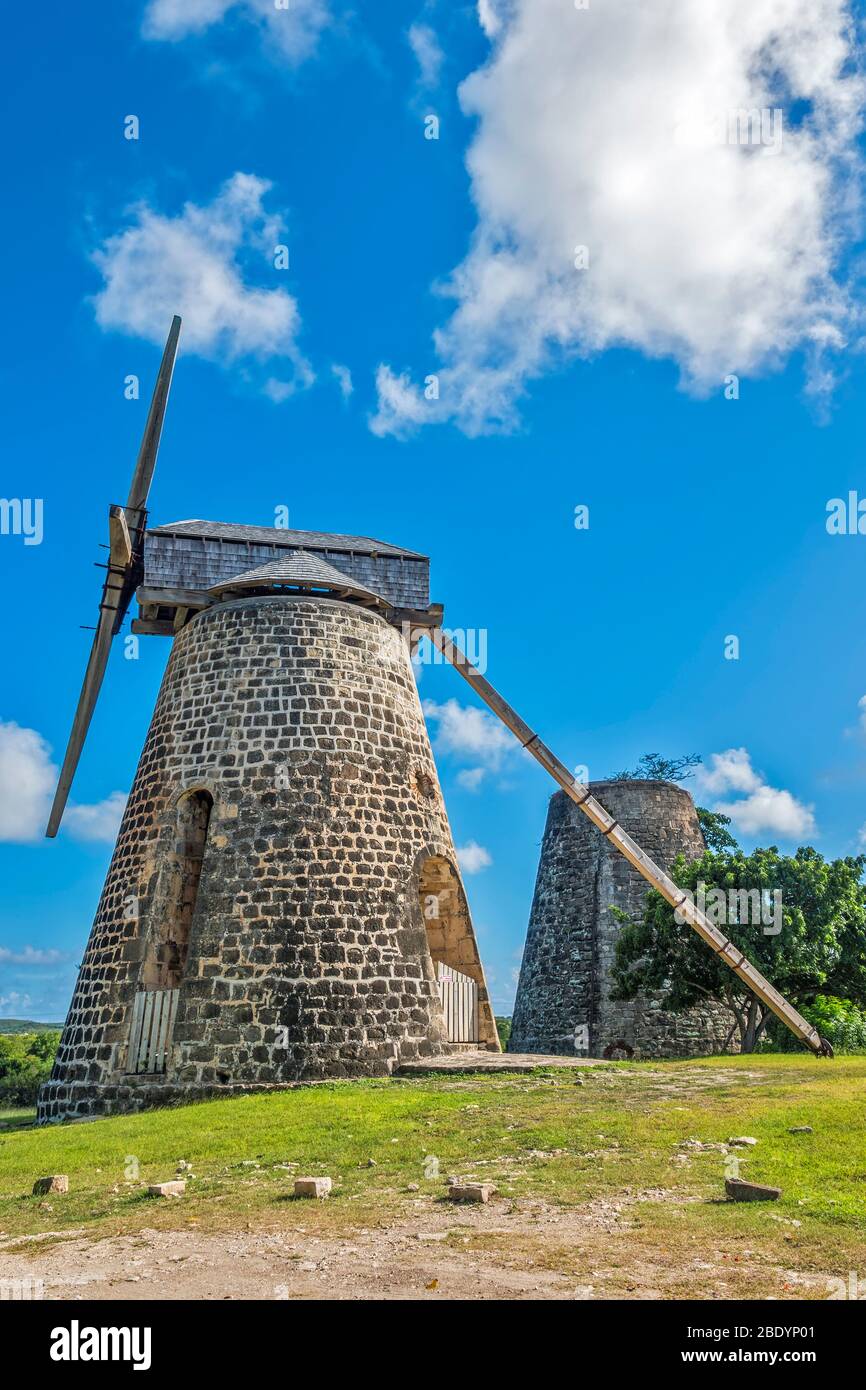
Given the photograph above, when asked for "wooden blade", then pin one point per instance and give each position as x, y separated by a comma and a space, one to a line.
110, 614
119, 539
581, 796
146, 462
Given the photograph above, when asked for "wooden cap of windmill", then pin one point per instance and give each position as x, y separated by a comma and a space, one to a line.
301, 572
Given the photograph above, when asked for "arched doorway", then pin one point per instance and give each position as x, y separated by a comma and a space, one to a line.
155, 1004
454, 952
177, 893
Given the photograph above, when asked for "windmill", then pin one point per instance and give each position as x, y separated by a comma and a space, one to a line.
284, 900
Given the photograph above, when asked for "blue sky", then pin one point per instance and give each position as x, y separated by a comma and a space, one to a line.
707, 515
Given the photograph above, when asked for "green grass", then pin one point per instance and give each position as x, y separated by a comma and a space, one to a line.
618, 1132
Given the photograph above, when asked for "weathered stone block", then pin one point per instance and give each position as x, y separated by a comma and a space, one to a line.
313, 1187
58, 1183
471, 1191
739, 1190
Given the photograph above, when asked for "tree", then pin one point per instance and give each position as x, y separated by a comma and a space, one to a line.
810, 940
715, 829
652, 767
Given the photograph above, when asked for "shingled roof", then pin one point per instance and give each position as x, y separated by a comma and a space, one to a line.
279, 536
298, 570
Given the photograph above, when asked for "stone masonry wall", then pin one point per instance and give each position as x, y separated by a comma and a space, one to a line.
565, 975
308, 952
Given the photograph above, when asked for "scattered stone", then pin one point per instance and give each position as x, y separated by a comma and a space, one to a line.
58, 1183
312, 1187
801, 1129
744, 1142
412, 1187
167, 1189
371, 1163
432, 1235
471, 1191
739, 1190
307, 1266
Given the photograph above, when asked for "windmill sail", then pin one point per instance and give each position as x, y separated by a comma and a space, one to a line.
126, 532
656, 877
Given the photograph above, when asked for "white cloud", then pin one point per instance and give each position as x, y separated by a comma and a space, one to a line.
603, 128
344, 379
28, 778
861, 836
727, 772
471, 778
472, 858
488, 18
401, 406
428, 53
31, 956
762, 808
15, 1000
861, 705
193, 264
27, 781
99, 822
463, 729
291, 29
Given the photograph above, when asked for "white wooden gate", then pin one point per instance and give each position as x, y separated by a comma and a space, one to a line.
153, 1013
459, 995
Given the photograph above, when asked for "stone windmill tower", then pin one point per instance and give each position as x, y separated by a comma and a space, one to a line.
283, 902
284, 891
563, 1002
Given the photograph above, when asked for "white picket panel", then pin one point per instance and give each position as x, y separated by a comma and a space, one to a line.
153, 1015
459, 995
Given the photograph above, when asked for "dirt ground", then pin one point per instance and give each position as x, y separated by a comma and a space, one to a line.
499, 1251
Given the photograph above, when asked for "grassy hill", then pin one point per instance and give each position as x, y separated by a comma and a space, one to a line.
27, 1025
619, 1173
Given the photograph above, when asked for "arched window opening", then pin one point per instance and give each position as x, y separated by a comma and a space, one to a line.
451, 939
175, 908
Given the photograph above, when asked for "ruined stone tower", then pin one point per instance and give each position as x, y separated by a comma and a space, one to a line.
284, 888
563, 1003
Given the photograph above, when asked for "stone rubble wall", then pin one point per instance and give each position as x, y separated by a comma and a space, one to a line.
308, 951
565, 974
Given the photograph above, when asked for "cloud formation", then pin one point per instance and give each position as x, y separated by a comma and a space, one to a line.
472, 858
291, 28
623, 202
760, 807
463, 729
428, 53
28, 777
196, 264
33, 956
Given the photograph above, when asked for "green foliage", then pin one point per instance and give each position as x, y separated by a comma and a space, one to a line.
840, 1021
820, 949
26, 1060
715, 829
503, 1028
652, 767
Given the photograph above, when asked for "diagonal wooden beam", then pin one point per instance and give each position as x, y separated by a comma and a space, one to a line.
647, 867
146, 461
